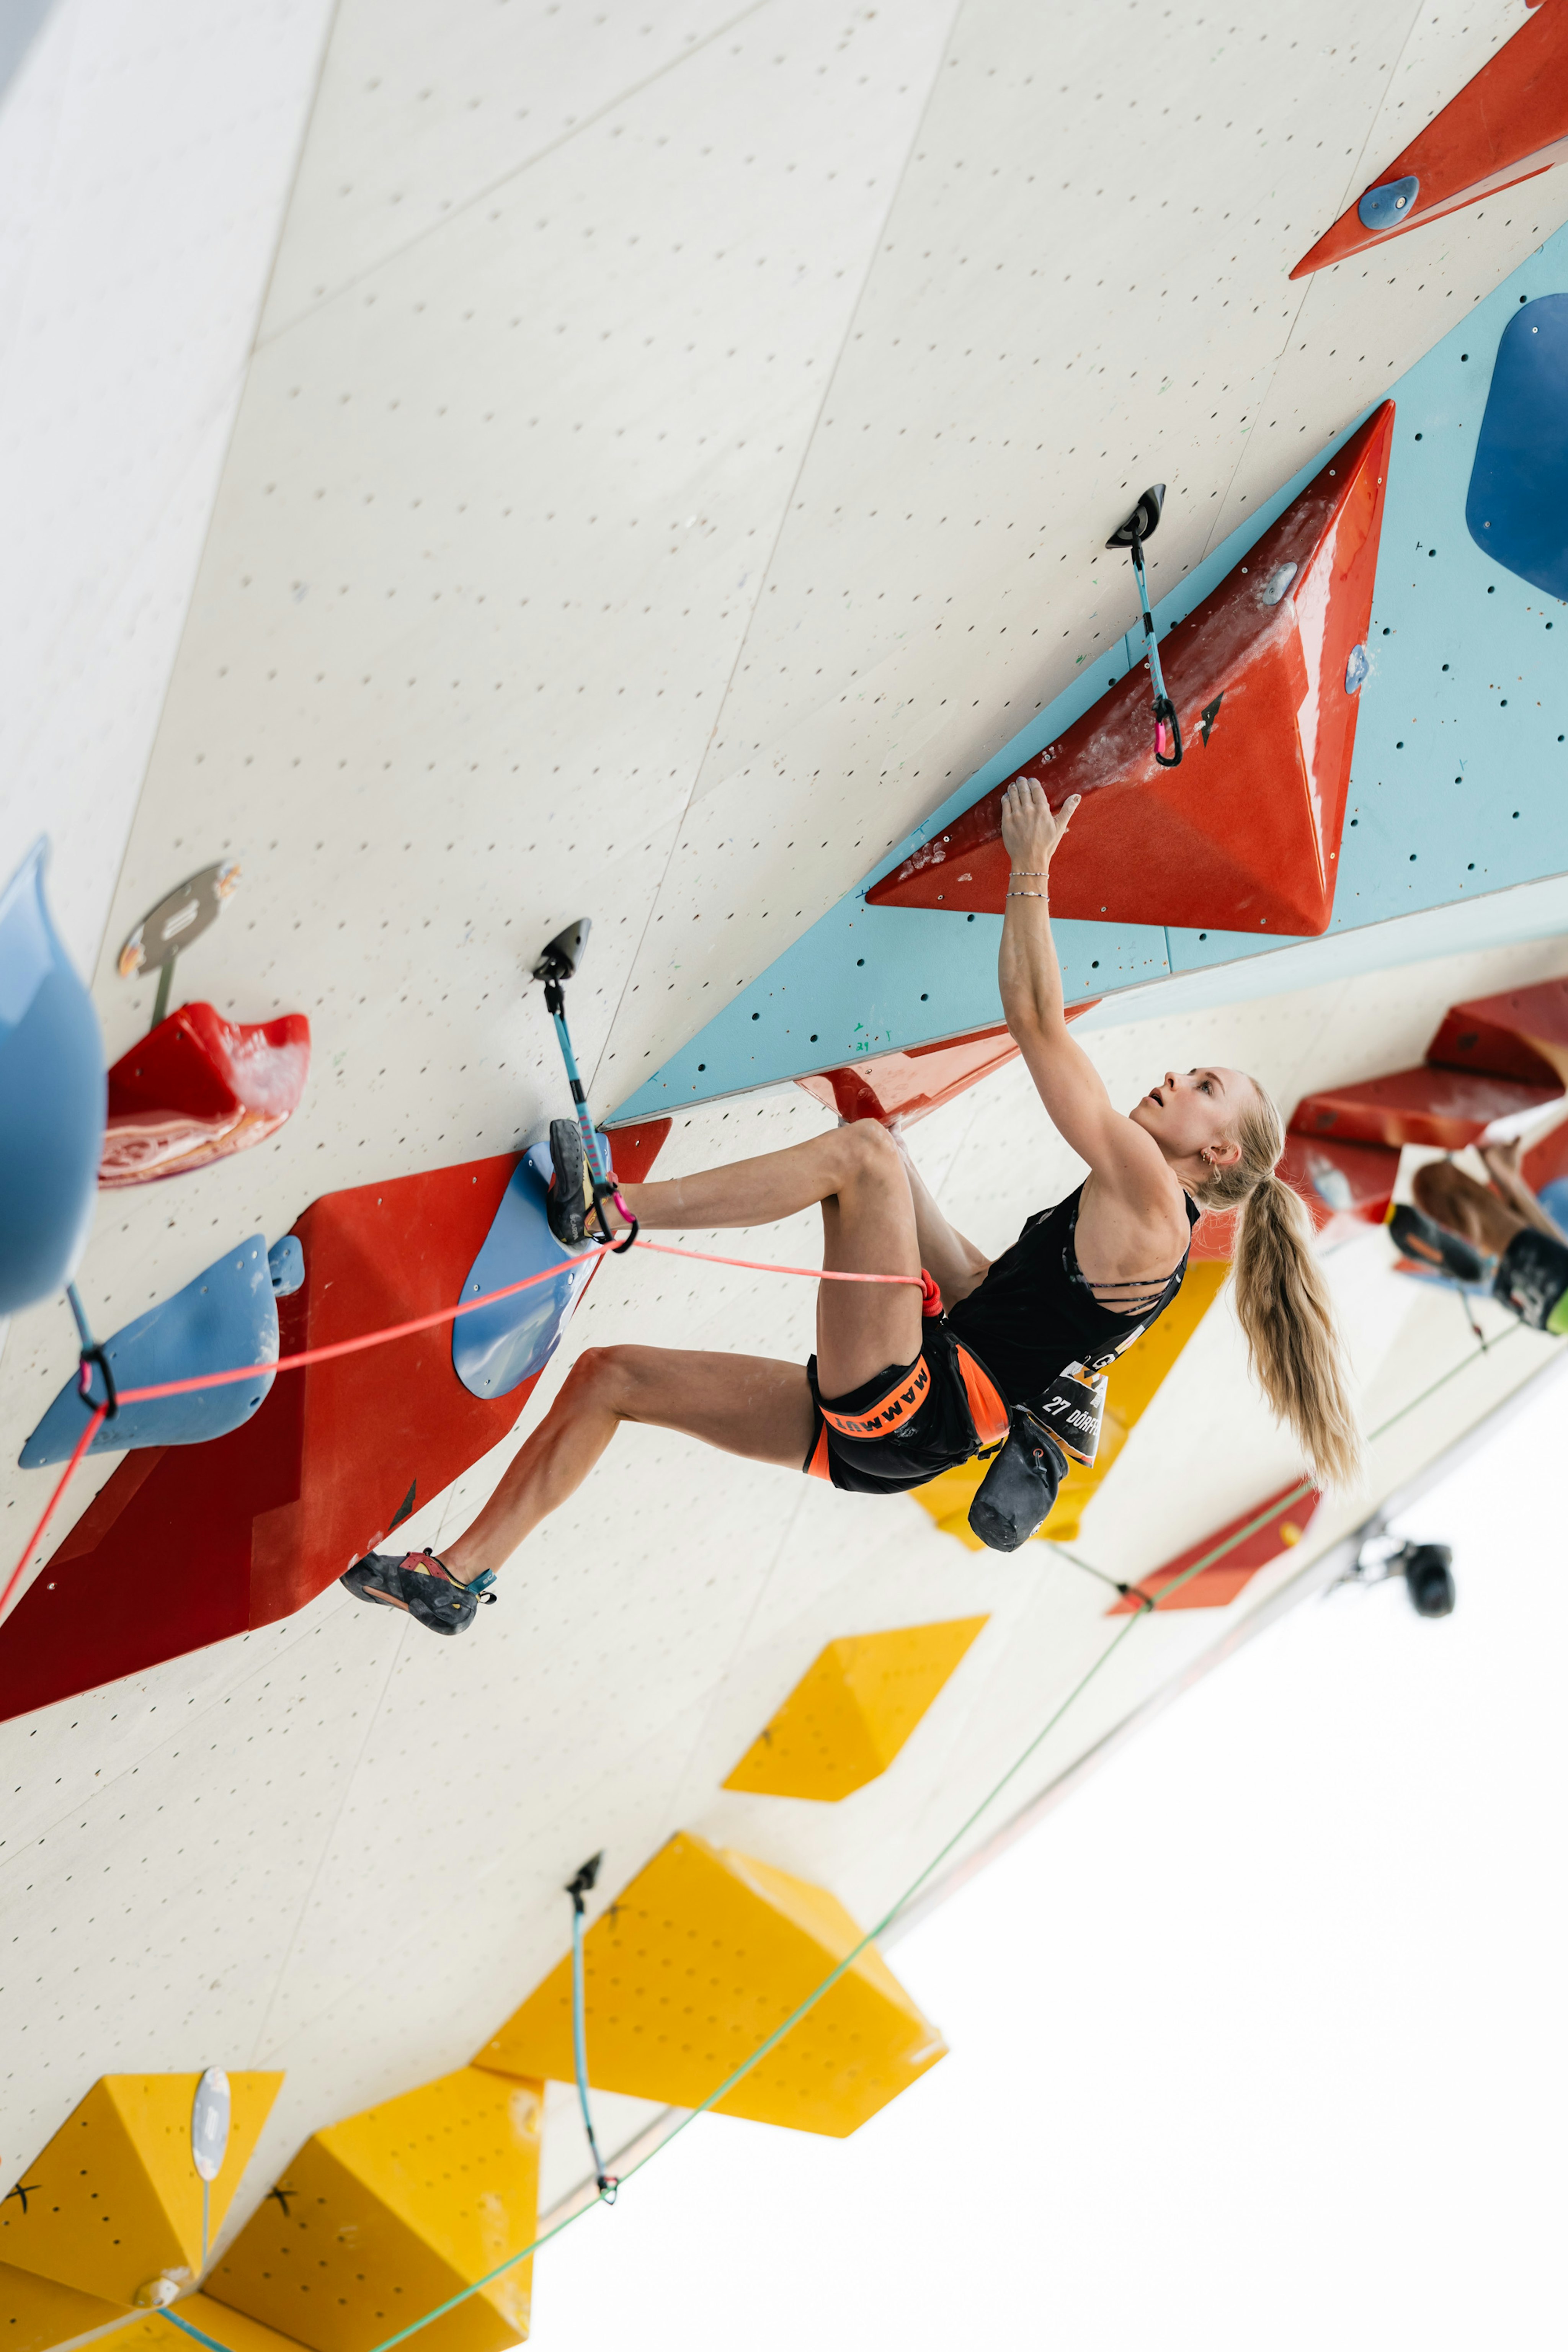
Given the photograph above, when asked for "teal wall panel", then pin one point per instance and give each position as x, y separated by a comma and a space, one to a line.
1458, 786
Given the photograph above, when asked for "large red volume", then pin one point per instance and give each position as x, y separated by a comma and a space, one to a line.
1522, 1034
198, 1087
1245, 834
187, 1544
1444, 1110
1506, 125
1216, 1587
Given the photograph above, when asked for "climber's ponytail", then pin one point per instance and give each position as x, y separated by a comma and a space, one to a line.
1282, 1302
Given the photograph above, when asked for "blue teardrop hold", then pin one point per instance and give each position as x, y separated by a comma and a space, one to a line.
55, 1091
1386, 206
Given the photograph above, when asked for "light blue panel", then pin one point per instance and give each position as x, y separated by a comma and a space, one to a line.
866, 980
226, 1317
1444, 757
1459, 781
498, 1347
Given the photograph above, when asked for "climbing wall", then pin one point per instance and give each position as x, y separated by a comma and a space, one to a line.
654, 467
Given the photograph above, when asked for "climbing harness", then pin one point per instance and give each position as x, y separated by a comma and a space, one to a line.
581, 1888
557, 965
1141, 524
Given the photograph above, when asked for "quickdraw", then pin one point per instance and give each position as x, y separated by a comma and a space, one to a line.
581, 1888
1141, 524
556, 967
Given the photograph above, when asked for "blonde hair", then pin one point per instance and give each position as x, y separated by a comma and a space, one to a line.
1281, 1299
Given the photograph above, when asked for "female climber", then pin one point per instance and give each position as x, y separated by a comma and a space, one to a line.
899, 1389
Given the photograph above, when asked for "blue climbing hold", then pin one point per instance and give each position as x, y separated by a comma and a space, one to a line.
286, 1265
1517, 509
498, 1347
53, 1085
1356, 669
1386, 206
227, 1316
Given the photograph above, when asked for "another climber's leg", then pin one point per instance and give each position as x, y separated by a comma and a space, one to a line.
1450, 1197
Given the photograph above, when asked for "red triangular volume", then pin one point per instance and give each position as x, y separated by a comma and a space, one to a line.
1245, 834
190, 1544
1214, 1587
1506, 125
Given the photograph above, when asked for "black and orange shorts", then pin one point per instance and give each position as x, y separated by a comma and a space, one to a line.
909, 1423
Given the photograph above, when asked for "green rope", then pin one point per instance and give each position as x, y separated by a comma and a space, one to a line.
1207, 1559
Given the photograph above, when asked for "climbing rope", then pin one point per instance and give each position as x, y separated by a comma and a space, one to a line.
322, 1355
1207, 1559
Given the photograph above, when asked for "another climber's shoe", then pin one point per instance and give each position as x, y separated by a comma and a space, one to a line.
423, 1585
1426, 1243
570, 1190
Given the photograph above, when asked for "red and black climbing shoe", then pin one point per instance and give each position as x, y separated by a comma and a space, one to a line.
570, 1191
1426, 1243
423, 1585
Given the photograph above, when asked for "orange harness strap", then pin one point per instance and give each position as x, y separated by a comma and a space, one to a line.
902, 1400
987, 1406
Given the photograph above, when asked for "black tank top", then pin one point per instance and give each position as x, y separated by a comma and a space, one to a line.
1035, 1314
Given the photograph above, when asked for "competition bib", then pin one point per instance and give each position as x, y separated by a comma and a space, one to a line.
1073, 1409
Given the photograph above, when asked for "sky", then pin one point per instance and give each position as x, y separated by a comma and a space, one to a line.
1258, 2041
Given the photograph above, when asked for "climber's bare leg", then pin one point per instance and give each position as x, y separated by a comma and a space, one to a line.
752, 1405
1450, 1197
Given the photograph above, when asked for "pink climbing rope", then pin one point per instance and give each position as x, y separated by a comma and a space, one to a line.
921, 1281
95, 1422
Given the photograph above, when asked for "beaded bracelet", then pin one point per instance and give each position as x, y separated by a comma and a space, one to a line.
1028, 873
1027, 894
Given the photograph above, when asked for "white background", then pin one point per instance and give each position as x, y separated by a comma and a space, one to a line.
1318, 1911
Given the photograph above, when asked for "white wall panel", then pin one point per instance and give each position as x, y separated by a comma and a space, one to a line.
145, 153
679, 448
1055, 317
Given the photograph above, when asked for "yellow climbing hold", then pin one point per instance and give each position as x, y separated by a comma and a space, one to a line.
113, 2203
383, 2217
852, 1710
37, 2313
147, 2333
692, 1967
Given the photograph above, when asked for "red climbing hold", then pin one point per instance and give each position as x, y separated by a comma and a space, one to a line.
907, 1085
1508, 123
1290, 1514
1245, 834
198, 1087
187, 1544
1522, 1034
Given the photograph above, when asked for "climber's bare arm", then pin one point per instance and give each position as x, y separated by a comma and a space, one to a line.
1130, 1169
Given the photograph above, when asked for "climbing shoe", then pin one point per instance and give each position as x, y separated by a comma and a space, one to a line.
1422, 1239
570, 1190
423, 1585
